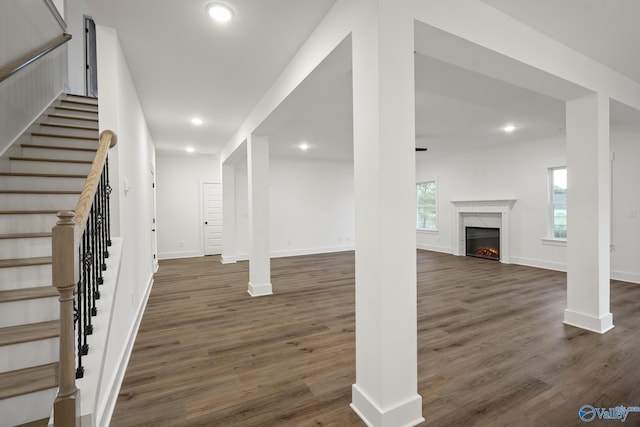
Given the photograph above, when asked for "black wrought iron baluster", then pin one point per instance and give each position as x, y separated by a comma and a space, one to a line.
79, 310
108, 207
88, 285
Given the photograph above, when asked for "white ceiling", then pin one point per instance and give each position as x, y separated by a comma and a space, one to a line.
605, 30
184, 65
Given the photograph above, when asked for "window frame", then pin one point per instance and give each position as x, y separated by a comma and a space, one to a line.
552, 204
435, 205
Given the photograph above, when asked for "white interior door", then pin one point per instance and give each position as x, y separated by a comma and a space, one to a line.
212, 202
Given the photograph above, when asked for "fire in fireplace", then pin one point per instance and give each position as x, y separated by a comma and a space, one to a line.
483, 242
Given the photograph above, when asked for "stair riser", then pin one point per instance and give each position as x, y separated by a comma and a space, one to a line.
38, 201
29, 311
71, 121
83, 105
25, 248
49, 167
89, 114
40, 183
27, 223
75, 143
28, 354
39, 404
68, 131
52, 153
22, 278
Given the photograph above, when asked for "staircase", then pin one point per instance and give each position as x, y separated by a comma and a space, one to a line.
42, 176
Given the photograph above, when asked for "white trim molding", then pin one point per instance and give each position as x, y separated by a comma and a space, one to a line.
479, 208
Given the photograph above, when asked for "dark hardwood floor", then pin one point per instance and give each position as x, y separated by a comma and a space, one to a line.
492, 347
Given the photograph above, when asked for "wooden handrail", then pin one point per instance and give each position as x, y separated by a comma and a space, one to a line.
108, 139
32, 56
66, 236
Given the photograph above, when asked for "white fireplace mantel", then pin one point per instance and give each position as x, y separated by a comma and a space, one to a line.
500, 210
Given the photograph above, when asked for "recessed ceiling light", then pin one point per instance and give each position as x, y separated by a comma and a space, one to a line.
190, 149
219, 12
509, 128
197, 121
304, 146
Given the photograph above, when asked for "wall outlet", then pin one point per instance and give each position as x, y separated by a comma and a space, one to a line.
181, 245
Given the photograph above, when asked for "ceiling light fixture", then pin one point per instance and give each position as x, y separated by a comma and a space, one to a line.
509, 128
304, 146
196, 121
220, 12
190, 149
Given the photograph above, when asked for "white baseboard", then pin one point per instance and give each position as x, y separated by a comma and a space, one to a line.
182, 254
539, 263
625, 276
599, 325
434, 248
311, 251
260, 290
105, 411
405, 414
300, 252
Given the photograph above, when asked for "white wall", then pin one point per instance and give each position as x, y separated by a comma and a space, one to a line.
25, 26
312, 207
520, 172
625, 255
179, 203
133, 161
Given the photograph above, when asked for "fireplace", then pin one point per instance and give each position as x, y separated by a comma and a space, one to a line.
483, 242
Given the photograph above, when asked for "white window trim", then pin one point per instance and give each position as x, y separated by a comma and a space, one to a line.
551, 239
429, 230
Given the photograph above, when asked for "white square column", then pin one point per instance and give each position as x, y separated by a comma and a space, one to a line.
259, 242
229, 234
385, 393
588, 214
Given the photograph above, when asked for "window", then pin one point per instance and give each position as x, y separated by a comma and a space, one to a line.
426, 197
558, 203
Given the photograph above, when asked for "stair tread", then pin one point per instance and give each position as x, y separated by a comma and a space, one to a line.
25, 262
79, 95
58, 147
28, 293
38, 159
31, 212
54, 135
30, 332
39, 192
43, 175
68, 116
29, 380
84, 110
65, 126
24, 235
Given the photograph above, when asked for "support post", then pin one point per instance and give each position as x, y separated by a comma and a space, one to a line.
66, 408
385, 392
259, 250
588, 214
229, 234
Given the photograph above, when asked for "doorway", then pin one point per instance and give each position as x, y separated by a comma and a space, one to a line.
90, 58
212, 204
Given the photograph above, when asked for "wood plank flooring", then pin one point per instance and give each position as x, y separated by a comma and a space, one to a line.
492, 348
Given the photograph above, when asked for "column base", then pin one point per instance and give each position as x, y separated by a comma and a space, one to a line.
406, 414
227, 259
599, 325
260, 290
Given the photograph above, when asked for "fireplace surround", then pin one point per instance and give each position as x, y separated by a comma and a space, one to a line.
483, 213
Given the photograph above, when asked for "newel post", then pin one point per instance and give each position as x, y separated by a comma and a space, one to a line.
66, 408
